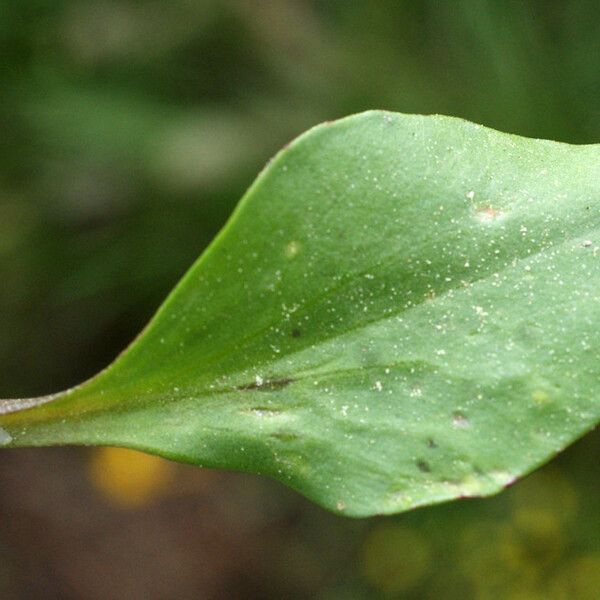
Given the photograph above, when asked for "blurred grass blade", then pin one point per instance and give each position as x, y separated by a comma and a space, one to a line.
401, 311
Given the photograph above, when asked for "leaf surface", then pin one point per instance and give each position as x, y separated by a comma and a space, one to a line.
402, 310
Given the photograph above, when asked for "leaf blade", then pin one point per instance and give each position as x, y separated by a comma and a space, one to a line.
393, 299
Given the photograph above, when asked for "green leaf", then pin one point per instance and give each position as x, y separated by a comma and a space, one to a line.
401, 311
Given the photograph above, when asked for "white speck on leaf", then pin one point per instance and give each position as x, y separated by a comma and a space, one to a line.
292, 249
460, 421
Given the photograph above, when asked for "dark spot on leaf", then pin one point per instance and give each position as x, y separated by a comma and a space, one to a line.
295, 333
284, 436
423, 466
266, 386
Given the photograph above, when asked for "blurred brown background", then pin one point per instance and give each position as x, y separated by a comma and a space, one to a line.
128, 131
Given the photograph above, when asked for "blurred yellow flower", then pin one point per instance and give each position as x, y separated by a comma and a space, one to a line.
129, 478
395, 558
578, 580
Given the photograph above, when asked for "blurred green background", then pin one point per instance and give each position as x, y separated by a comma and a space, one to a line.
128, 131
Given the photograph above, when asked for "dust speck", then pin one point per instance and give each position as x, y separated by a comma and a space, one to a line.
292, 249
